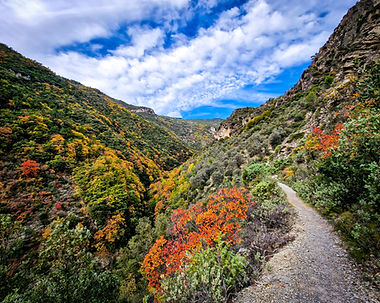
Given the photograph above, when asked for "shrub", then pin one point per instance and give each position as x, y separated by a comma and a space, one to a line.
251, 123
276, 137
223, 215
217, 177
213, 276
254, 171
30, 168
280, 164
327, 81
264, 189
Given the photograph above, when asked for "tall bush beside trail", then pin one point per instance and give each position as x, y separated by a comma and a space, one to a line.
255, 172
347, 180
353, 162
200, 226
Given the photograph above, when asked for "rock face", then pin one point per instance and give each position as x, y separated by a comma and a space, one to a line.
356, 39
142, 109
355, 42
238, 119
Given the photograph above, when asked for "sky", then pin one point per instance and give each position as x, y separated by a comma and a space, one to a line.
189, 59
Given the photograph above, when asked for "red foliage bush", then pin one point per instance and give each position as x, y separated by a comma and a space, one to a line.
327, 142
190, 228
30, 168
58, 205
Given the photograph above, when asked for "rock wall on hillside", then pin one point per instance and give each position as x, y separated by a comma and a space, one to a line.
353, 44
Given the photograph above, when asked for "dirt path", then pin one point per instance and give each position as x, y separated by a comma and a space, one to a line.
312, 268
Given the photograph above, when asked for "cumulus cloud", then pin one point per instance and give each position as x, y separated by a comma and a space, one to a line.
36, 27
244, 45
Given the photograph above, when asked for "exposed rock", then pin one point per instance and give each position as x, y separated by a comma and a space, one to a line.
353, 44
142, 109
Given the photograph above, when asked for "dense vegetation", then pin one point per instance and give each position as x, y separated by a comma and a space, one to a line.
339, 173
213, 249
101, 202
197, 133
334, 166
76, 163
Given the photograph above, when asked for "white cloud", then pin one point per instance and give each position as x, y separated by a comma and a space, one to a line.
37, 27
142, 40
246, 45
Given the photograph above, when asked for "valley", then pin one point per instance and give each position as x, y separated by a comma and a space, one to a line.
103, 201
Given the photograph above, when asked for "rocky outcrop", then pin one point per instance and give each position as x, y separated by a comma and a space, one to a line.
142, 109
353, 44
237, 119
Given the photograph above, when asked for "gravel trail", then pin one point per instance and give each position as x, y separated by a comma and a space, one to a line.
312, 268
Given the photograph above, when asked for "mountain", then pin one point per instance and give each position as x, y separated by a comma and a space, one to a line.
196, 133
322, 137
353, 45
88, 213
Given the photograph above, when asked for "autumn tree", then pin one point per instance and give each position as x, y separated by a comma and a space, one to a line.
107, 236
109, 186
30, 168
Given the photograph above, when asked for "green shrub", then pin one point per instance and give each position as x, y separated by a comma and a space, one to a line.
264, 189
280, 164
327, 81
254, 172
276, 137
213, 276
256, 120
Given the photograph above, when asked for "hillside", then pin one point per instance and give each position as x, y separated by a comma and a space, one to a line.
353, 45
101, 201
196, 133
322, 137
69, 151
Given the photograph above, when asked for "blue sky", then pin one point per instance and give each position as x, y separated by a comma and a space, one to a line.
190, 59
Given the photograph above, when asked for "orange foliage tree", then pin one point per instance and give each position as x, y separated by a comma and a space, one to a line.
112, 232
324, 142
30, 168
190, 228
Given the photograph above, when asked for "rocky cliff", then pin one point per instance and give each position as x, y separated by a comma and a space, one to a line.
353, 44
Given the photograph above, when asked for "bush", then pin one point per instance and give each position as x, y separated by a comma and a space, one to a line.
327, 81
254, 171
264, 189
280, 164
214, 275
256, 120
276, 137
221, 217
217, 177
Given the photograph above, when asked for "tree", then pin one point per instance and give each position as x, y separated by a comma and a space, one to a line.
109, 186
69, 272
30, 168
